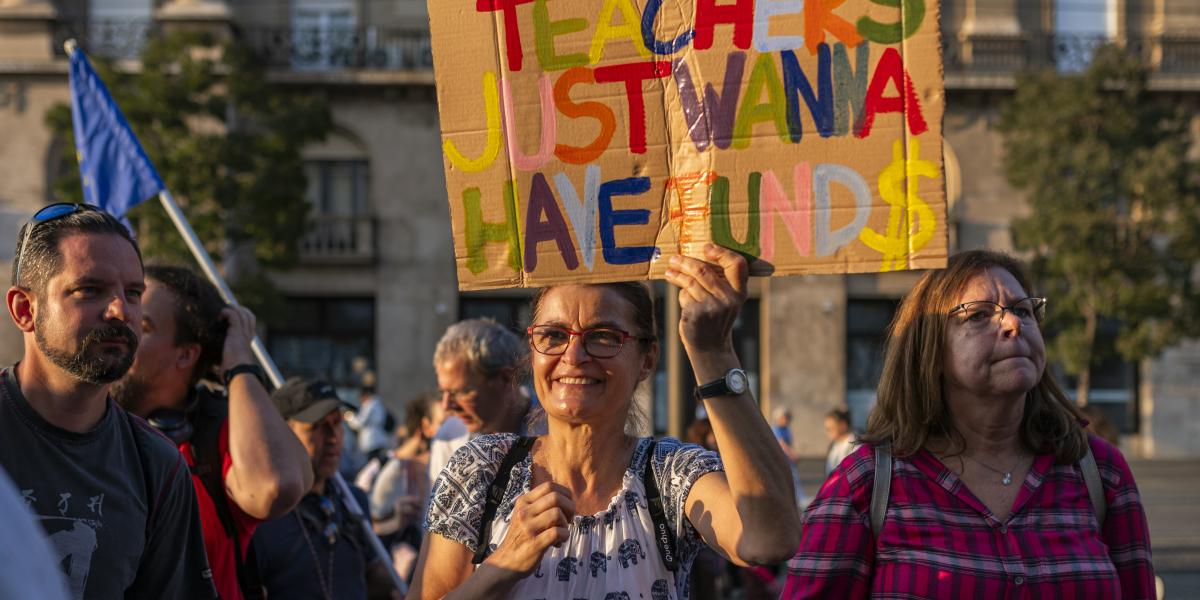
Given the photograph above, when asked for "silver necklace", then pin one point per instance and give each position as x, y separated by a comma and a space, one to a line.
326, 585
1006, 475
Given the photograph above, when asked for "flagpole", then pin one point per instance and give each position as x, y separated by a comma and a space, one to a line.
210, 269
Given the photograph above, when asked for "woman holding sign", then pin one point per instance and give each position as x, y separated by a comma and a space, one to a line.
976, 478
588, 510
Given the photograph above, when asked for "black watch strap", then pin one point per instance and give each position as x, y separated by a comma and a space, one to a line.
252, 369
713, 389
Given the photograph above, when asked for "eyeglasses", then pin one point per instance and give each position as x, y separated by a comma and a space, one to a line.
456, 395
981, 314
331, 527
598, 342
47, 213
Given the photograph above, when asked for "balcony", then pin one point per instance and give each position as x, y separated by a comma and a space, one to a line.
992, 61
339, 240
121, 39
333, 49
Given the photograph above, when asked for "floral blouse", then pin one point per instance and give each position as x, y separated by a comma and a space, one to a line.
610, 555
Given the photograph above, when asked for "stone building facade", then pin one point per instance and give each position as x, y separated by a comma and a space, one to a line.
377, 279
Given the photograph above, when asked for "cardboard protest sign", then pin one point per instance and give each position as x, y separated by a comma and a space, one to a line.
589, 140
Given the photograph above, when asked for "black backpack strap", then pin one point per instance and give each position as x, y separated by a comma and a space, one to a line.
883, 487
208, 461
516, 454
663, 537
1095, 486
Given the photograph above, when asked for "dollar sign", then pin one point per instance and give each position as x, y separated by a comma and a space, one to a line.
899, 242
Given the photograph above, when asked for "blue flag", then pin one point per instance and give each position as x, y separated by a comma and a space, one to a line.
115, 171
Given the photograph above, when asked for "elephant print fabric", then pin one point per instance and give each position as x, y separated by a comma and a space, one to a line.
607, 555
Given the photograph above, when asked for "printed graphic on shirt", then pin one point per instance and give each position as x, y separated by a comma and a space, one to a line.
72, 531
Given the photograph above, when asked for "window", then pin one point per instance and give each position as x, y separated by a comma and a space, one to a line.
1114, 382
323, 35
321, 338
866, 335
337, 187
1081, 26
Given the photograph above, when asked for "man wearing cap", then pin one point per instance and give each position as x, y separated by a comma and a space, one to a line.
319, 550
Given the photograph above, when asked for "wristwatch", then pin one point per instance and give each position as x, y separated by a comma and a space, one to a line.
734, 383
252, 369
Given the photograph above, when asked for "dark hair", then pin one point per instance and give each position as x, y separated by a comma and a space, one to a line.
198, 307
636, 293
41, 258
417, 410
911, 407
839, 414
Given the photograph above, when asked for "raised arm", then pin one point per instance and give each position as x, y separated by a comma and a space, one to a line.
748, 512
271, 471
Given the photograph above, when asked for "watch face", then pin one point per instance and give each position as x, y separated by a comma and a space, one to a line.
737, 381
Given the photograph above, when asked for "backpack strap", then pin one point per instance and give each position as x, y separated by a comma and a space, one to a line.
1095, 486
209, 416
883, 487
662, 534
516, 454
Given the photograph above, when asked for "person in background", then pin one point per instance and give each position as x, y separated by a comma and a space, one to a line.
319, 551
399, 492
246, 465
782, 417
841, 438
996, 489
479, 365
112, 494
369, 422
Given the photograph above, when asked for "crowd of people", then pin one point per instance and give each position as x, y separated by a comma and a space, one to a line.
144, 454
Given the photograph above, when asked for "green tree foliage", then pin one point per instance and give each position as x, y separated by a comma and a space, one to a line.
226, 143
1114, 219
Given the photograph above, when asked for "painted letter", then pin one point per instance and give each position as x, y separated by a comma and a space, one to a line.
544, 32
828, 241
796, 216
891, 68
763, 40
774, 109
711, 120
632, 75
609, 219
491, 108
722, 226
892, 33
512, 31
708, 14
552, 228
605, 30
581, 155
582, 212
819, 17
549, 133
479, 233
850, 86
796, 84
898, 185
655, 46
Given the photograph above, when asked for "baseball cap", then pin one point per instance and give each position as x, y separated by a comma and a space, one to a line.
307, 401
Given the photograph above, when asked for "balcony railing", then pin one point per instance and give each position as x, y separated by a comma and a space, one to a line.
325, 49
1006, 54
293, 48
339, 240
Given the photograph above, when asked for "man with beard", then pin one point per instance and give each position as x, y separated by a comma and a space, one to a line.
111, 493
246, 464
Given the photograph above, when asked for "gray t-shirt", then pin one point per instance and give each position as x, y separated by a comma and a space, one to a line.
116, 502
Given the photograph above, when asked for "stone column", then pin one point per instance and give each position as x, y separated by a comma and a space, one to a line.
26, 30
804, 353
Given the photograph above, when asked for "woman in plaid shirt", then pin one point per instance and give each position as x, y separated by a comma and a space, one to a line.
987, 497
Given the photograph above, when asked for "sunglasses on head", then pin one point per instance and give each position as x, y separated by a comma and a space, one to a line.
48, 213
